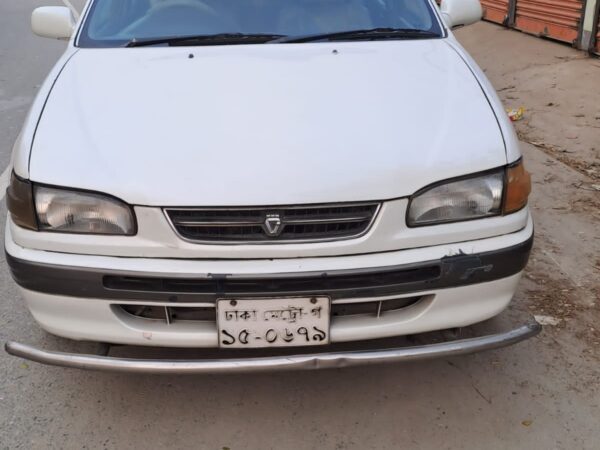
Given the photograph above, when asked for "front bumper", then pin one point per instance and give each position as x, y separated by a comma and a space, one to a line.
80, 296
285, 362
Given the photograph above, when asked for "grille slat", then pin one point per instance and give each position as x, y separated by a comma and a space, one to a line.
294, 223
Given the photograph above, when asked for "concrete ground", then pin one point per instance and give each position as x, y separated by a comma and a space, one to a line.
542, 394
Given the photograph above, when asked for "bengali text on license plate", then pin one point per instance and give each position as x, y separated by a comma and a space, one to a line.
284, 322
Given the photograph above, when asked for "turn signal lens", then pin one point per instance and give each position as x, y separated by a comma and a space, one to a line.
518, 187
19, 200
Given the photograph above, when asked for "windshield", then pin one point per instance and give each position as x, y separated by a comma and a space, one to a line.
114, 23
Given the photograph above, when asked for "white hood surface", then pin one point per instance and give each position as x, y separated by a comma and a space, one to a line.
268, 124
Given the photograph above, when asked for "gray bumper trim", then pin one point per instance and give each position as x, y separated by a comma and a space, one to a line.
447, 272
298, 362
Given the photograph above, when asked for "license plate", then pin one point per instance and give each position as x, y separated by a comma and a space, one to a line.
266, 322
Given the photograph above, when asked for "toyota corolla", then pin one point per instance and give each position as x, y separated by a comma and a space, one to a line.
265, 176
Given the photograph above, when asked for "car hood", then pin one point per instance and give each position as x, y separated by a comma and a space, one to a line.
265, 124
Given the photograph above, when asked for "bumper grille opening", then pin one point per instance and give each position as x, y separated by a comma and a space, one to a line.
373, 308
272, 224
171, 314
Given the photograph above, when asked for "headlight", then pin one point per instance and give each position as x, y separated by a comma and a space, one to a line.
81, 212
497, 192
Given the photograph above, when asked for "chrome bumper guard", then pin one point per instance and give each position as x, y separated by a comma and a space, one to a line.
272, 363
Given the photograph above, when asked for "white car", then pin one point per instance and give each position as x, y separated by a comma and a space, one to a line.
263, 174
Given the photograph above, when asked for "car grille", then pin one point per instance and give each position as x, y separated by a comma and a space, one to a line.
276, 224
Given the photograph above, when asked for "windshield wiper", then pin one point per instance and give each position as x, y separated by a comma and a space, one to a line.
260, 38
206, 39
367, 34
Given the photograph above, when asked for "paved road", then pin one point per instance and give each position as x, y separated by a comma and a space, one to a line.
540, 394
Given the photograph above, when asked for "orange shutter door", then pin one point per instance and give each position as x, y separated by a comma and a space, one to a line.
557, 19
495, 10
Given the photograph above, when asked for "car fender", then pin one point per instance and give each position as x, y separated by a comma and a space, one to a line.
21, 151
511, 140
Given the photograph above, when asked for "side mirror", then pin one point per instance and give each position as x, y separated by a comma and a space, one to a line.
53, 22
459, 13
